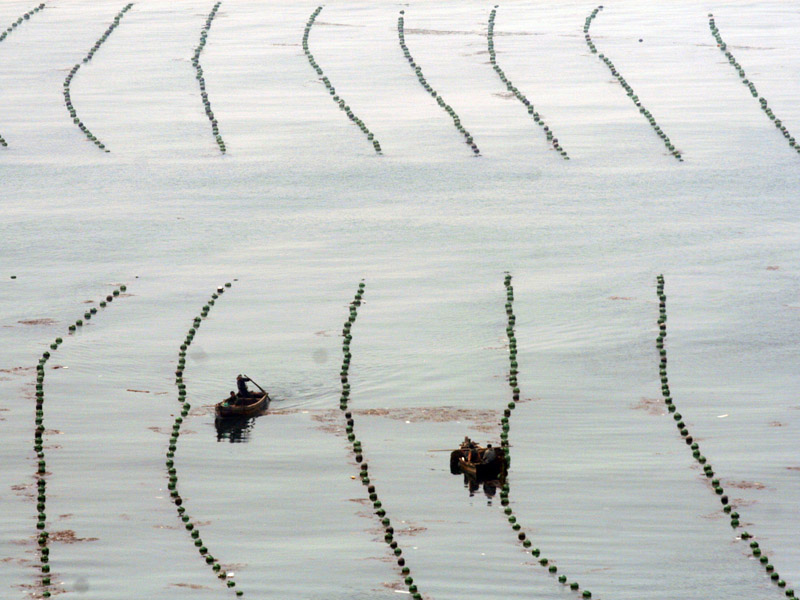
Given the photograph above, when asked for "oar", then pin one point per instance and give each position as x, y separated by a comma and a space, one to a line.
255, 384
453, 449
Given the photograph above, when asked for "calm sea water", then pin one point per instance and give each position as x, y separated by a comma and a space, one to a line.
301, 209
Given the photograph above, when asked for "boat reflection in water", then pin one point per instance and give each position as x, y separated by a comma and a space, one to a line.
234, 429
489, 486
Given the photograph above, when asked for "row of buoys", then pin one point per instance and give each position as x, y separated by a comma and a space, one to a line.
38, 447
172, 472
519, 95
68, 99
358, 451
329, 86
743, 76
505, 427
201, 80
4, 35
628, 89
424, 83
695, 447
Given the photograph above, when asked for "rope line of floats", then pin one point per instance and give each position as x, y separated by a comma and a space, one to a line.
201, 80
38, 445
424, 83
172, 473
628, 89
329, 86
68, 81
377, 505
505, 427
519, 95
755, 549
723, 47
4, 35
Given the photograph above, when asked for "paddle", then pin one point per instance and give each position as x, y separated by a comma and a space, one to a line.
258, 386
450, 449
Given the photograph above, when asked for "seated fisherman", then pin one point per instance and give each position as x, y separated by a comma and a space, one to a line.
232, 399
489, 454
473, 455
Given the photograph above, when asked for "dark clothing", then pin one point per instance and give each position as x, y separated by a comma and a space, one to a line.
241, 384
472, 453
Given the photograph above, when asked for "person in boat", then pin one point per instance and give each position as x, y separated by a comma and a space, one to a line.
241, 384
233, 399
472, 455
489, 455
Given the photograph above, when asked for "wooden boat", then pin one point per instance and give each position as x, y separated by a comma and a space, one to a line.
495, 469
248, 408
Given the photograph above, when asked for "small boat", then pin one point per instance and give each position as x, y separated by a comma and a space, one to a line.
496, 469
249, 407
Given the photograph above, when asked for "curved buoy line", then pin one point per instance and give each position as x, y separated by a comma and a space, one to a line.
201, 80
68, 81
38, 447
329, 86
4, 34
358, 452
505, 425
519, 95
751, 86
434, 94
755, 549
628, 89
172, 473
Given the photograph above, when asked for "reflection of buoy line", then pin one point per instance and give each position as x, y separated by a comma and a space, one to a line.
628, 89
201, 80
331, 90
38, 446
172, 472
695, 447
723, 47
519, 95
424, 83
505, 427
4, 35
358, 451
68, 81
